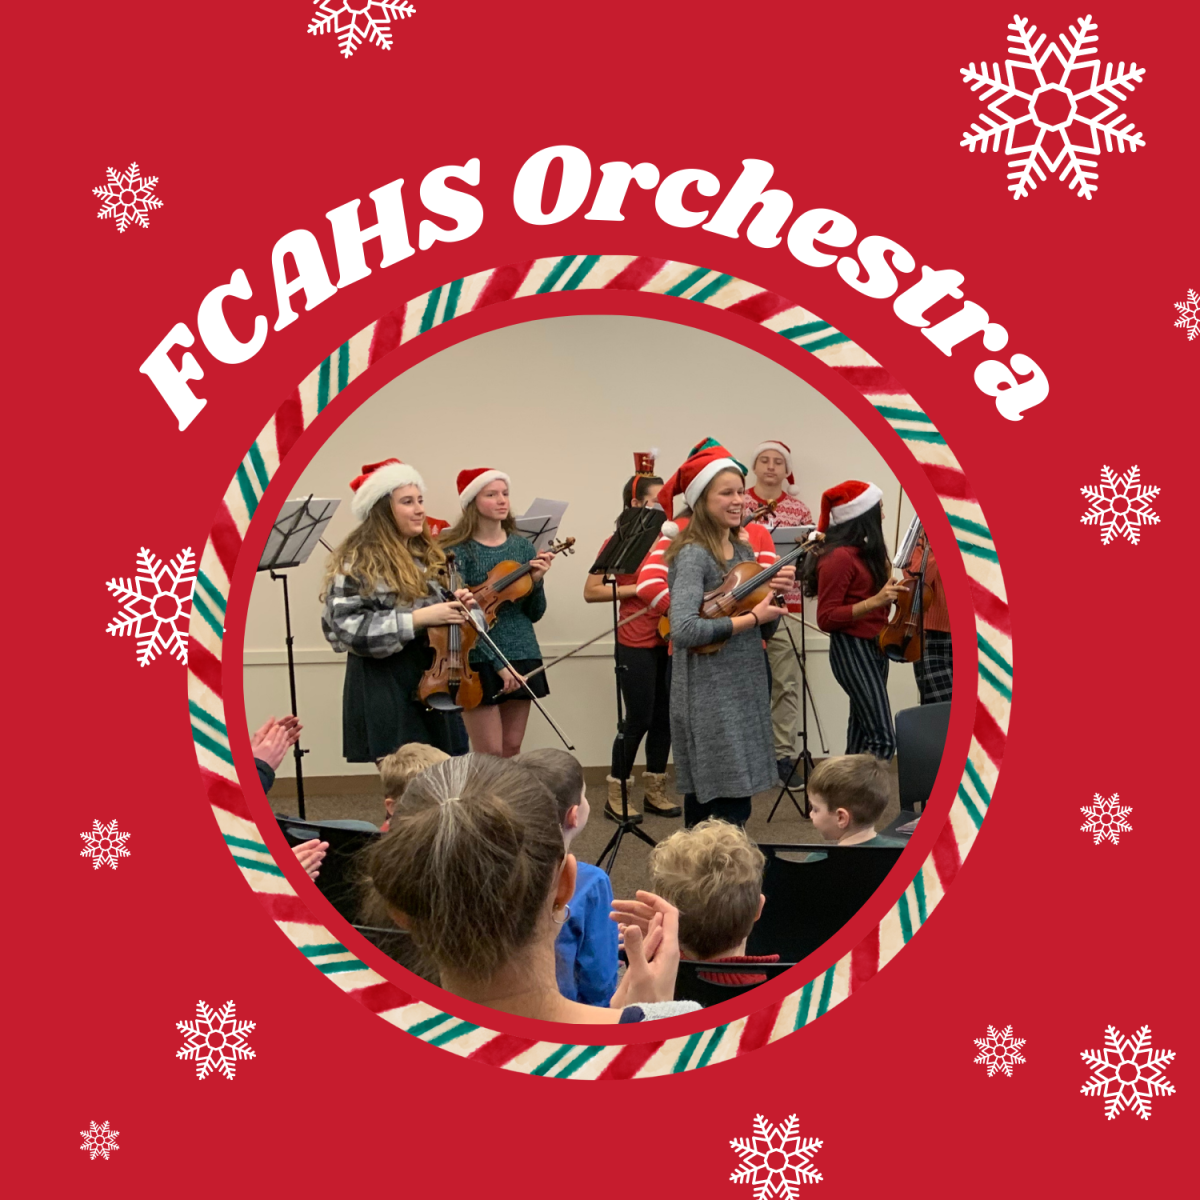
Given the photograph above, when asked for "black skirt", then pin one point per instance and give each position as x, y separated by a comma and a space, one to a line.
380, 711
492, 683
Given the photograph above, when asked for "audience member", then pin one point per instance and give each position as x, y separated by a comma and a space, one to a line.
474, 866
270, 744
400, 768
848, 795
586, 949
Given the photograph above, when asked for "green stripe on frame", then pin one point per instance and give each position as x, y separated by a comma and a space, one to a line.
323, 385
988, 649
455, 1031
922, 905
258, 848
906, 929
584, 1056
795, 331
254, 454
339, 968
430, 310
711, 289
343, 357
713, 1042
423, 1027
210, 618
805, 1004
202, 739
247, 489
977, 780
688, 281
689, 1048
970, 547
920, 435
832, 339
969, 805
581, 272
826, 992
208, 719
211, 589
977, 528
1002, 688
555, 274
251, 865
895, 413
321, 947
549, 1062
452, 295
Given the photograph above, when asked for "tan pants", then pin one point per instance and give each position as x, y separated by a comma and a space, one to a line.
785, 690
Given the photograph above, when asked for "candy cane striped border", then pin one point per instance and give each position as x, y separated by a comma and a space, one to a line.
685, 282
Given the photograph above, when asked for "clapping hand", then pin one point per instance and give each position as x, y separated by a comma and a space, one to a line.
650, 935
310, 856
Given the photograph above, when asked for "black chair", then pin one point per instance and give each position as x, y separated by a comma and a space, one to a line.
920, 741
808, 902
340, 872
690, 983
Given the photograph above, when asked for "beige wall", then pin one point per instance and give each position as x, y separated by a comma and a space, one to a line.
560, 405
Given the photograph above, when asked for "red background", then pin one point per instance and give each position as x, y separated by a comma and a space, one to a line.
255, 128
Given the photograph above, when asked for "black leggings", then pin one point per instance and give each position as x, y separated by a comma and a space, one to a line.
735, 810
646, 692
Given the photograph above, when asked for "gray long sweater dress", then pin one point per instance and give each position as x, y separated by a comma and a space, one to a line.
720, 703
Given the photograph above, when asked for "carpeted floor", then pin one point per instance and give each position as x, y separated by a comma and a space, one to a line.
631, 870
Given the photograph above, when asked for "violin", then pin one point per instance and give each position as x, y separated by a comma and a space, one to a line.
744, 588
755, 514
903, 638
509, 581
451, 675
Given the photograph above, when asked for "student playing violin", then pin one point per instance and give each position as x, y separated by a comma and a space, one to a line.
485, 536
378, 605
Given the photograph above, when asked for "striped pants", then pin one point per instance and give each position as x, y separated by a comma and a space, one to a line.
862, 670
935, 672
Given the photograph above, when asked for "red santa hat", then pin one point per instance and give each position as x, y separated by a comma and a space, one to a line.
705, 461
473, 480
786, 451
378, 480
846, 501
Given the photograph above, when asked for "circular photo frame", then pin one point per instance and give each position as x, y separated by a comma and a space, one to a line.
779, 1008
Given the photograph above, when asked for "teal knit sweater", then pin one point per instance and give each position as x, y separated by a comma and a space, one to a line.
513, 630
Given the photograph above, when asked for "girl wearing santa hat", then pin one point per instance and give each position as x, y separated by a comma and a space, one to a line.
378, 605
774, 480
720, 703
851, 577
483, 537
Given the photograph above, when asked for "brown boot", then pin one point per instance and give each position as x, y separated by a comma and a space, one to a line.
612, 807
655, 798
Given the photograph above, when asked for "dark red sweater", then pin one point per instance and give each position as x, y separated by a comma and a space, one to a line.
842, 581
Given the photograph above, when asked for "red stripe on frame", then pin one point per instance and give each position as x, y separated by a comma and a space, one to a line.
503, 284
225, 795
948, 482
946, 859
991, 608
761, 307
226, 540
379, 997
758, 1028
501, 1050
637, 274
386, 335
289, 424
988, 734
204, 665
283, 907
874, 380
630, 1061
864, 960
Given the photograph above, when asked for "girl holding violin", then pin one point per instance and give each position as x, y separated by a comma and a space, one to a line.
379, 603
720, 702
852, 579
484, 537
645, 674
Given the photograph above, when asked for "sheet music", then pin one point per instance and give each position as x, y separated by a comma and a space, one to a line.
296, 532
540, 524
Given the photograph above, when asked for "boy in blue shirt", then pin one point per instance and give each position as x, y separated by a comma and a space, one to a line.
586, 949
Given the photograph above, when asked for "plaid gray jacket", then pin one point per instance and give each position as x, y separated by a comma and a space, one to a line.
372, 626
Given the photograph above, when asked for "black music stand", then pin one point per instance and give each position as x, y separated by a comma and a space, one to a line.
637, 530
293, 537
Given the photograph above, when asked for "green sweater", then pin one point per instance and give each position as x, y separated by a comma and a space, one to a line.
513, 630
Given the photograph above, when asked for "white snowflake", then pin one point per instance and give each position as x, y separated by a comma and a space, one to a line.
104, 844
155, 605
1120, 505
776, 1160
1055, 109
1189, 315
1127, 1073
1000, 1051
215, 1040
99, 1140
128, 197
1106, 819
354, 20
